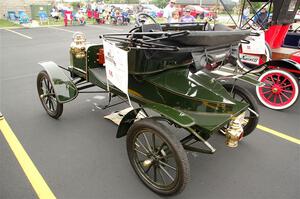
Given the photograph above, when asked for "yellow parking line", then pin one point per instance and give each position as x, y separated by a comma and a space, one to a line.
33, 175
276, 133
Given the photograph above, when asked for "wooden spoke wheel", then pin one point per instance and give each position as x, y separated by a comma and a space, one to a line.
246, 61
281, 89
157, 157
47, 95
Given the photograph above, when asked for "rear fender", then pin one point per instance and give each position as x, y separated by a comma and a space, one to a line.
284, 64
170, 114
296, 56
65, 90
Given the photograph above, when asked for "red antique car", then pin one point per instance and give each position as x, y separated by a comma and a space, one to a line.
278, 67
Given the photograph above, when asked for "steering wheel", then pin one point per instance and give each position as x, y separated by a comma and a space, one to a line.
141, 18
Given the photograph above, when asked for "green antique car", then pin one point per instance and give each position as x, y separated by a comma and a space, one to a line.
166, 69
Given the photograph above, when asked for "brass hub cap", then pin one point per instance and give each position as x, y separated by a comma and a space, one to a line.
276, 89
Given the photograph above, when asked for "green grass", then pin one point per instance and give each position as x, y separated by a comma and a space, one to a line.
5, 23
51, 22
60, 22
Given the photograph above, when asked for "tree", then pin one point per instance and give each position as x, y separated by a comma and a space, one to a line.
257, 6
133, 1
160, 3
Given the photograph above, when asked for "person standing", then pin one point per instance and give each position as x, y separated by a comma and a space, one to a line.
54, 14
79, 17
246, 14
262, 18
94, 6
175, 17
169, 9
97, 16
187, 18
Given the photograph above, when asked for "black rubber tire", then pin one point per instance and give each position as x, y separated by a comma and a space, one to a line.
159, 129
250, 99
58, 108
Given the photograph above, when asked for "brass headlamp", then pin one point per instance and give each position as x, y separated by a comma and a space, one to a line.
77, 47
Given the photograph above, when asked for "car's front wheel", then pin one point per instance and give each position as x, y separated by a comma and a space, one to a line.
47, 95
157, 157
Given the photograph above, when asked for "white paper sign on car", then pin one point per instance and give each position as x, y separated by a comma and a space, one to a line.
257, 44
116, 66
250, 59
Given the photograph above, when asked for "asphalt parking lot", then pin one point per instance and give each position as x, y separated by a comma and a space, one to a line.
79, 157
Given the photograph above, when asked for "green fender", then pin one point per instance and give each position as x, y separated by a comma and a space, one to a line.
167, 112
126, 122
65, 90
174, 115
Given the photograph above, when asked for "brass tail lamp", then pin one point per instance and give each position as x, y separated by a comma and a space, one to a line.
234, 133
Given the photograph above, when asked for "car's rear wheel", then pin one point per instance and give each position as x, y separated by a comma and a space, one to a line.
252, 113
47, 95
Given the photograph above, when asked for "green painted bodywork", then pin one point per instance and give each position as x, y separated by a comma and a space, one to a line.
190, 100
148, 62
79, 63
64, 88
172, 114
92, 56
78, 66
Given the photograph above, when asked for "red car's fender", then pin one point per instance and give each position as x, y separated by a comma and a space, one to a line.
296, 57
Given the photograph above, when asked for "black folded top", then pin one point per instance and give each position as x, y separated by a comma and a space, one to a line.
211, 38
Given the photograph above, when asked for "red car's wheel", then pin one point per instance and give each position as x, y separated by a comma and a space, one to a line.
248, 61
280, 91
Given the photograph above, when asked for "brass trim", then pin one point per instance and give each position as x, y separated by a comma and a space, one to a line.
80, 70
235, 131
